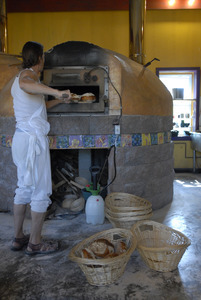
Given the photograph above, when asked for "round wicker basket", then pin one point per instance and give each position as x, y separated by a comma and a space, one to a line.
124, 202
127, 214
106, 270
127, 222
160, 246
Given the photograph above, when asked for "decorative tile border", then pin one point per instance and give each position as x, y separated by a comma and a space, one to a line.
100, 141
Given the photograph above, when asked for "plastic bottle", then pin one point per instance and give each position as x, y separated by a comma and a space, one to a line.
94, 210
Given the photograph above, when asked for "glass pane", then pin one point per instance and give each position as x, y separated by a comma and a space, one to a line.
184, 116
179, 82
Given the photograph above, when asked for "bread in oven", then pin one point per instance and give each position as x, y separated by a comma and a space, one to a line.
74, 97
88, 97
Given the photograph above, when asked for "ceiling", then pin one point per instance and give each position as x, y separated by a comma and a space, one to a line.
91, 5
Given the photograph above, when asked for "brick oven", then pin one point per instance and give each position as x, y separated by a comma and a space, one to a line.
132, 112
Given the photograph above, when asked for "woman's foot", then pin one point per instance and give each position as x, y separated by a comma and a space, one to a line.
42, 248
19, 243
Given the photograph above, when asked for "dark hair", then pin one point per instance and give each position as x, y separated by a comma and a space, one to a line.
31, 53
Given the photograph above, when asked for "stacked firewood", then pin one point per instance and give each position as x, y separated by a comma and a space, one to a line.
66, 189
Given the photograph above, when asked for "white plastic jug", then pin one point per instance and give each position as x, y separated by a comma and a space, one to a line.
94, 210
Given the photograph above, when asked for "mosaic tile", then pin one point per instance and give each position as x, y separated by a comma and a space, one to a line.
137, 139
169, 137
88, 141
3, 140
8, 141
52, 142
101, 141
62, 142
160, 138
75, 141
165, 137
146, 139
126, 140
154, 138
114, 139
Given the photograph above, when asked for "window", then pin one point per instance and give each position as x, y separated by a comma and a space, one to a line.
184, 85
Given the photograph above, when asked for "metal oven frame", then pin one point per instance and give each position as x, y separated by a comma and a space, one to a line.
79, 79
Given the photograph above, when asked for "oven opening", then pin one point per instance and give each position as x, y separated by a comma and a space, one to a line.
70, 175
79, 90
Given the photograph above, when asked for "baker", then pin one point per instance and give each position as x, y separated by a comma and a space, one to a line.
30, 149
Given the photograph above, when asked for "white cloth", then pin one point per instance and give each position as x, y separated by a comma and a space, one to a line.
30, 149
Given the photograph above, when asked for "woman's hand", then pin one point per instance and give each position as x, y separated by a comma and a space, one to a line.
60, 97
65, 96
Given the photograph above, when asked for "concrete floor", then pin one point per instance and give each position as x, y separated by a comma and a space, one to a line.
55, 277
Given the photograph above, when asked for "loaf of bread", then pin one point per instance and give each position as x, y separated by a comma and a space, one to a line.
75, 97
86, 253
120, 247
111, 255
88, 97
103, 248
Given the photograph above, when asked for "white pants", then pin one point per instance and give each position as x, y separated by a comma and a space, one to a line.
38, 193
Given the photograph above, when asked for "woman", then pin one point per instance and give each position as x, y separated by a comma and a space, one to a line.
30, 149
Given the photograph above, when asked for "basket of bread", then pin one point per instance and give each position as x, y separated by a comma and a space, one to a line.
123, 210
160, 246
104, 256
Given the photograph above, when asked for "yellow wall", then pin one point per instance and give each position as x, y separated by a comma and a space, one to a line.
173, 36
106, 29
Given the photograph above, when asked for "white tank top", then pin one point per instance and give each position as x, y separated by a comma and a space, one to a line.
26, 105
31, 117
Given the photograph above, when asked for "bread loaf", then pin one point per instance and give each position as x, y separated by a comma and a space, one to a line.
86, 253
120, 247
88, 97
75, 97
101, 247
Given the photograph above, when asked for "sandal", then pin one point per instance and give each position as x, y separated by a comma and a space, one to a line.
42, 248
19, 243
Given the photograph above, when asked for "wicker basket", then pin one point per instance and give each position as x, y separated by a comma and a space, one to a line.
160, 246
127, 214
124, 202
127, 222
106, 270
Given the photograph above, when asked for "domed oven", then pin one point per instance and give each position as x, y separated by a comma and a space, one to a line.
132, 113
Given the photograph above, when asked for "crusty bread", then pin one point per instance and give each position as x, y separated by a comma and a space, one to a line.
120, 247
75, 97
111, 255
88, 97
86, 253
101, 247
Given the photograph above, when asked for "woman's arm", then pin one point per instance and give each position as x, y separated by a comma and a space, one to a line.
55, 102
29, 83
